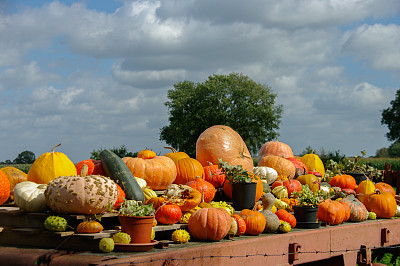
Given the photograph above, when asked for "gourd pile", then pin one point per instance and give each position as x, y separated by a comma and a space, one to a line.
54, 184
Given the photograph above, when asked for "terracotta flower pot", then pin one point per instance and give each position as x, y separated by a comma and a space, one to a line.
138, 227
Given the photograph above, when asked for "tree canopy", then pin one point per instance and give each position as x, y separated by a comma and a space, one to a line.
391, 118
233, 100
120, 151
25, 157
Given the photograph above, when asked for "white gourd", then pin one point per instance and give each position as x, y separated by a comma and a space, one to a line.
29, 196
266, 173
142, 183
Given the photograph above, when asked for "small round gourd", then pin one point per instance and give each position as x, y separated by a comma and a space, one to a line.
91, 194
272, 221
266, 173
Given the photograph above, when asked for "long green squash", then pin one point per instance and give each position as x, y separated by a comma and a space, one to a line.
117, 170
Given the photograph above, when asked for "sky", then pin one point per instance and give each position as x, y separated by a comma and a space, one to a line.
95, 74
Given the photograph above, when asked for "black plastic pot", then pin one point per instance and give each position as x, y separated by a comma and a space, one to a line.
243, 195
305, 214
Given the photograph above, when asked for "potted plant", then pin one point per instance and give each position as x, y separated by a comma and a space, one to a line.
356, 168
136, 220
308, 201
243, 186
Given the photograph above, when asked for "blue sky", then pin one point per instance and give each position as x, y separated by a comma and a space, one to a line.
95, 74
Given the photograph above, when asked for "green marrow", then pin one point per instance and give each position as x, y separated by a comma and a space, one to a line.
118, 171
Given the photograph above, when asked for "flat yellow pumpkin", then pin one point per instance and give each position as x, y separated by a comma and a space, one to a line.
314, 163
50, 165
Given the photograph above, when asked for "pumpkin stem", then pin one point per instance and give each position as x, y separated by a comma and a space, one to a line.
172, 149
84, 170
52, 150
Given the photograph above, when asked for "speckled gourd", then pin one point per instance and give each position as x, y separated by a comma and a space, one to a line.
81, 195
272, 220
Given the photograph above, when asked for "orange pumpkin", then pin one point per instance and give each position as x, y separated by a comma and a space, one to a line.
275, 148
331, 212
89, 164
222, 142
175, 155
146, 154
159, 172
343, 181
384, 187
89, 227
255, 221
214, 175
4, 187
259, 189
168, 214
301, 168
121, 197
209, 224
187, 169
381, 203
347, 211
205, 188
280, 164
14, 176
286, 216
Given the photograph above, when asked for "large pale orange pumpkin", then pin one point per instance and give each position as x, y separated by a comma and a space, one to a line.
14, 176
281, 165
222, 142
209, 224
275, 148
159, 172
188, 169
50, 165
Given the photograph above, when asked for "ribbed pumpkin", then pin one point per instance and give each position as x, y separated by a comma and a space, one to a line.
343, 181
381, 203
365, 188
347, 212
275, 148
176, 155
4, 187
281, 165
14, 176
159, 172
214, 175
314, 163
301, 168
89, 227
50, 165
310, 180
358, 211
209, 224
331, 212
146, 154
255, 221
222, 142
81, 195
187, 169
205, 188
384, 187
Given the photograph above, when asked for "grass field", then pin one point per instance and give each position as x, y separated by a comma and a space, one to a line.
379, 163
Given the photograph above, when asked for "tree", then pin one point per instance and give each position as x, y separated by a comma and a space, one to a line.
121, 152
391, 118
25, 157
382, 153
394, 149
233, 100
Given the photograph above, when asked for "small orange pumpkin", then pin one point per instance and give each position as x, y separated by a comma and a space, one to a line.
385, 187
187, 169
343, 181
209, 224
255, 221
146, 154
381, 203
287, 217
168, 214
331, 211
89, 227
89, 163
